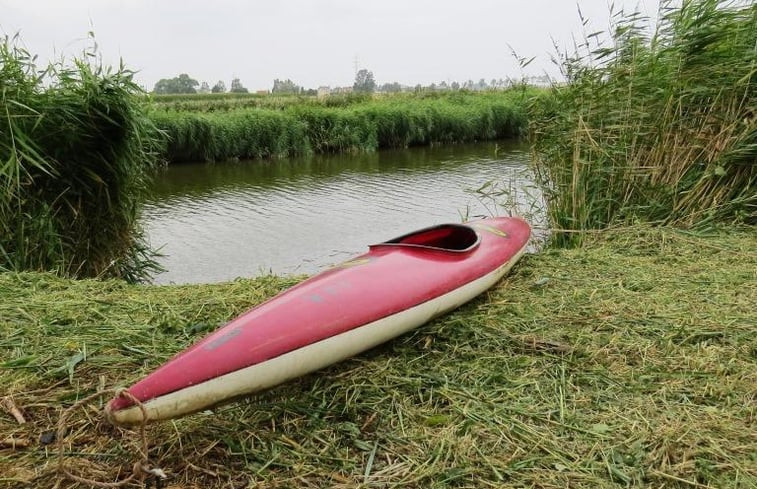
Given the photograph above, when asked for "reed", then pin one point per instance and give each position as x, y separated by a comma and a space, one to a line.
75, 149
658, 128
289, 126
212, 136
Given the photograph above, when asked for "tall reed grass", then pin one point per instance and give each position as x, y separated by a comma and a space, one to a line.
660, 127
75, 149
339, 124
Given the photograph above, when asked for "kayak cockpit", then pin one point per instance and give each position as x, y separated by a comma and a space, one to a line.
454, 238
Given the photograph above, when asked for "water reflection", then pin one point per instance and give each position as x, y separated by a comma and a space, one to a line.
220, 221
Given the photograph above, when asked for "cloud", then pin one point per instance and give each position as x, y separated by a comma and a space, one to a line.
312, 42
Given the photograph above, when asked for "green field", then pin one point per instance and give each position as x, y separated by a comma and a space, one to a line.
630, 361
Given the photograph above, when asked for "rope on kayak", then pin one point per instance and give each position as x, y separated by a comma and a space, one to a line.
140, 469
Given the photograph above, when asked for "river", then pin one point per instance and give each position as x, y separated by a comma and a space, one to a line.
216, 222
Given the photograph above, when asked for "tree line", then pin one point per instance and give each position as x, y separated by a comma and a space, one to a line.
184, 84
364, 83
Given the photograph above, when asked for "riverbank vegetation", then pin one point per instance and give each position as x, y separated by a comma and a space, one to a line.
627, 362
217, 129
660, 129
75, 152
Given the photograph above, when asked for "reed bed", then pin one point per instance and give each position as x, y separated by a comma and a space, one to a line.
75, 149
658, 128
259, 133
630, 362
340, 124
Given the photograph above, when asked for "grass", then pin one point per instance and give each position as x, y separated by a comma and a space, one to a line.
659, 129
285, 126
75, 152
631, 361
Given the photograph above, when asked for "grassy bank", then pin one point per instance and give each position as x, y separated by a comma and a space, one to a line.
287, 126
75, 152
630, 361
660, 129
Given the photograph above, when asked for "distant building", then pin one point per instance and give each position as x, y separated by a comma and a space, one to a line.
339, 90
324, 92
261, 92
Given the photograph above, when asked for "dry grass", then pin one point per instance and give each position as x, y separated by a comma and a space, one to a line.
631, 361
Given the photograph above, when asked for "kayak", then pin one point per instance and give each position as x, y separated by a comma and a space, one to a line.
395, 287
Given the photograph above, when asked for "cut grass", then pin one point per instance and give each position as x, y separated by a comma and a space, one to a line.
631, 361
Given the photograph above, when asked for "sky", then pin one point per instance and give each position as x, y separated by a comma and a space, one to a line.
314, 43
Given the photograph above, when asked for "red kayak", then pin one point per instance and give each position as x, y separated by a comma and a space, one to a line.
395, 287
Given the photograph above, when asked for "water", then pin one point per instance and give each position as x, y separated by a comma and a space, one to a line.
217, 222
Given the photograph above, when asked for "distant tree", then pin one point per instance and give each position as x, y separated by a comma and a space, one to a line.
180, 84
236, 87
443, 86
219, 87
204, 88
493, 83
310, 91
364, 82
391, 87
284, 87
455, 86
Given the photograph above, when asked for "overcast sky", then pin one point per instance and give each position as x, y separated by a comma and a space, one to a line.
312, 42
